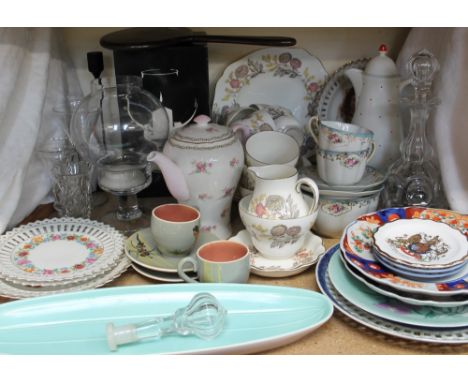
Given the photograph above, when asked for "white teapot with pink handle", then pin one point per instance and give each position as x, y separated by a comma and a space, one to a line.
202, 164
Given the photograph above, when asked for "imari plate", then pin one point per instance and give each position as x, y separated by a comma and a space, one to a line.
303, 259
357, 247
265, 76
59, 251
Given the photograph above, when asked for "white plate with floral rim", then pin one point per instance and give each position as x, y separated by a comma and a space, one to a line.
357, 247
335, 99
17, 291
303, 259
265, 76
371, 179
422, 245
59, 251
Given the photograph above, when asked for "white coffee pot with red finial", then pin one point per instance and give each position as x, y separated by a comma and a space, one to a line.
377, 90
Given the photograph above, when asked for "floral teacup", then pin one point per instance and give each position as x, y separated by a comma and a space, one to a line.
339, 136
342, 168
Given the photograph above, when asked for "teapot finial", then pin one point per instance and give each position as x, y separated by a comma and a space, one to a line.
383, 49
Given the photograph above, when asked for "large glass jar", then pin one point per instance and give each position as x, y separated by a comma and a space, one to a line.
115, 127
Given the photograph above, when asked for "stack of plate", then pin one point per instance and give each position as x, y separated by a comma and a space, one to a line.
147, 260
59, 255
429, 309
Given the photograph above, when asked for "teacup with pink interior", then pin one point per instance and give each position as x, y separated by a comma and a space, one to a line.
220, 261
175, 228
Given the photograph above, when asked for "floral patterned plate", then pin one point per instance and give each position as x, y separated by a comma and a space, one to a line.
371, 180
265, 76
388, 308
58, 251
409, 332
303, 259
357, 247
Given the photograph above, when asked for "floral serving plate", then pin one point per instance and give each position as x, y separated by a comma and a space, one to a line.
371, 180
58, 251
410, 332
357, 247
265, 76
303, 259
141, 249
389, 308
18, 291
335, 99
421, 244
408, 298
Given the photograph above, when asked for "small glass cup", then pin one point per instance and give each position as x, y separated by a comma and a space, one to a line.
72, 189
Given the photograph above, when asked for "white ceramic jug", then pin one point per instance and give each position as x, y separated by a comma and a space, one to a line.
377, 91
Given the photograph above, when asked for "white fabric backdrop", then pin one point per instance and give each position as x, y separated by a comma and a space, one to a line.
448, 124
35, 77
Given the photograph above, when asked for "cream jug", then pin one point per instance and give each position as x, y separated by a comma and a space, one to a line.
377, 90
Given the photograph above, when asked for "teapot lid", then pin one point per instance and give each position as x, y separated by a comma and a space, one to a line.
203, 134
382, 65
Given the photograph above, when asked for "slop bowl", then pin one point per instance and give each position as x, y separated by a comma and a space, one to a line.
276, 238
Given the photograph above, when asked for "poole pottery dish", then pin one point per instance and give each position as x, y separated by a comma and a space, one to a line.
141, 249
302, 260
258, 318
33, 254
265, 76
160, 276
357, 247
421, 244
388, 308
410, 332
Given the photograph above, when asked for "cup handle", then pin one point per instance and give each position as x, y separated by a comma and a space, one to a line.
315, 191
312, 125
181, 272
371, 151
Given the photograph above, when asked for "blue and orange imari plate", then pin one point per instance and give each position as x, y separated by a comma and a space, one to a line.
357, 247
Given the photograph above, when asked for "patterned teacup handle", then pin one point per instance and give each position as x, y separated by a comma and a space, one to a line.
312, 127
312, 187
371, 151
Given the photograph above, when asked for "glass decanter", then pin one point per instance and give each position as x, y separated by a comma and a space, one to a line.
115, 127
414, 179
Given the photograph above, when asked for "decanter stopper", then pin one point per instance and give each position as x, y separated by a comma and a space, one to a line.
422, 67
203, 316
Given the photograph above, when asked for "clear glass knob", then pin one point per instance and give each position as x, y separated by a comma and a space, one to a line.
204, 317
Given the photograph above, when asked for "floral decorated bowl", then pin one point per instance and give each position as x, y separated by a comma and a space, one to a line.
336, 212
276, 238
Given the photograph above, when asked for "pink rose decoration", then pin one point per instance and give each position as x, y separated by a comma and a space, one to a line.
241, 71
235, 84
313, 87
295, 63
260, 210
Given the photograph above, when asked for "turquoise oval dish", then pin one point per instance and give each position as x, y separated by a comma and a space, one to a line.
389, 308
259, 317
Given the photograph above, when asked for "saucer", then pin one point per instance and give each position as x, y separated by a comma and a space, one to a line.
303, 259
161, 276
142, 249
371, 179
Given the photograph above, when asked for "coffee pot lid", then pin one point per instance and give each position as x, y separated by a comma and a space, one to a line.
203, 133
382, 65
